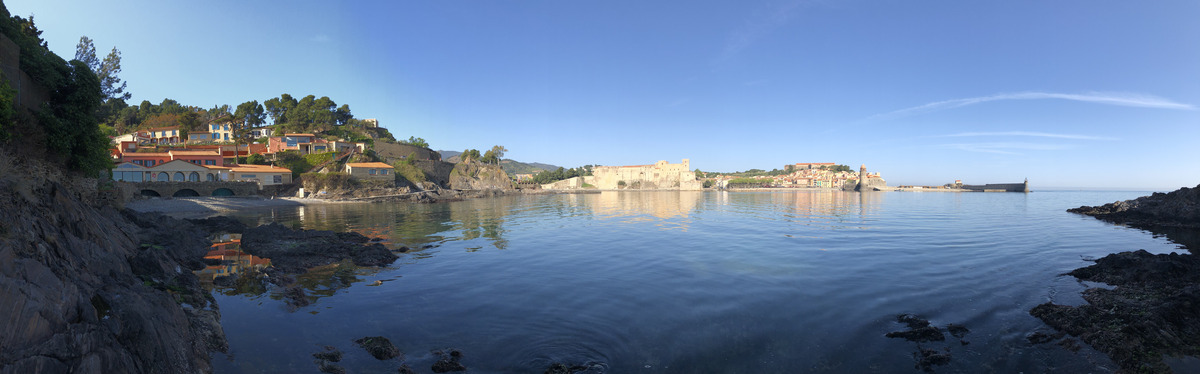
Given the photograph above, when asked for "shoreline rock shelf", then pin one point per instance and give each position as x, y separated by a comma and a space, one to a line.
1153, 310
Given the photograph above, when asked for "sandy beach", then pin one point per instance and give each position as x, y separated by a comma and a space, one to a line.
203, 206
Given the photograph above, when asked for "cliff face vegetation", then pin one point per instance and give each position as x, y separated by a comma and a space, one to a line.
474, 175
96, 290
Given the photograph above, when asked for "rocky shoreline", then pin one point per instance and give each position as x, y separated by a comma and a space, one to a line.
1153, 310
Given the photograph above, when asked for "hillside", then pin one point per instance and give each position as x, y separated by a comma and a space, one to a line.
509, 166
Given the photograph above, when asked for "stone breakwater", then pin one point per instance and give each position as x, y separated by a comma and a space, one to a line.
1154, 309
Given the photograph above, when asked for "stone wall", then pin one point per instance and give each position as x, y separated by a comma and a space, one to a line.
436, 171
998, 187
29, 94
129, 190
392, 152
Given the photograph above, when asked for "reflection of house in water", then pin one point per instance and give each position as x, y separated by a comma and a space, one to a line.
227, 249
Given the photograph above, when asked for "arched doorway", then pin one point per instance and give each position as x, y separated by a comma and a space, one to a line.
186, 192
194, 177
211, 177
223, 192
164, 177
179, 176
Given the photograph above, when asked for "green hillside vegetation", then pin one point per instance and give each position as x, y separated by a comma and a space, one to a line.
517, 167
67, 121
405, 170
556, 175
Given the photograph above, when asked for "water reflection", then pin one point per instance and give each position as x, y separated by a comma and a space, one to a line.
232, 271
237, 272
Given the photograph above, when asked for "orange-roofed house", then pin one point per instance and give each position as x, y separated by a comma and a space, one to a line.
371, 170
146, 159
265, 175
210, 158
303, 143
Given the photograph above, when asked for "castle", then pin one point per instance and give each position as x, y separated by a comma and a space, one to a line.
659, 176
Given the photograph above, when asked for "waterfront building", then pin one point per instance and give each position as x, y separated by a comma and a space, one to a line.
370, 170
265, 175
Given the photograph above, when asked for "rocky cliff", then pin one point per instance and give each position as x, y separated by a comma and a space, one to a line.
96, 290
474, 175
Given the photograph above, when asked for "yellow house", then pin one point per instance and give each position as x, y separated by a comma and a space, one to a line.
370, 170
221, 132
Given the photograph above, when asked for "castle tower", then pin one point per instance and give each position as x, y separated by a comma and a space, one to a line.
862, 178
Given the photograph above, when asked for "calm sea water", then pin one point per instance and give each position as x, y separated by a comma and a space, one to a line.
717, 282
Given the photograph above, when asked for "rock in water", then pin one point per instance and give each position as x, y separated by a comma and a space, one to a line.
379, 347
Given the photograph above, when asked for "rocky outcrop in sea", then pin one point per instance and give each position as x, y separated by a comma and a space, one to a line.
1179, 208
473, 175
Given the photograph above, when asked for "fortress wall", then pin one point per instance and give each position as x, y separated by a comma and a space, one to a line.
661, 175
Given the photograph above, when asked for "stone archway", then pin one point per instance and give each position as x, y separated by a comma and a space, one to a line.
186, 192
151, 193
223, 192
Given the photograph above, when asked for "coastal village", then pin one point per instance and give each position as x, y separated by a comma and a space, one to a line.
160, 162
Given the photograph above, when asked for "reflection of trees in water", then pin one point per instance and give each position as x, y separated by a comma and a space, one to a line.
482, 218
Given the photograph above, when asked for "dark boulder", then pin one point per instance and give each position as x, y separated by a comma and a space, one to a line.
379, 347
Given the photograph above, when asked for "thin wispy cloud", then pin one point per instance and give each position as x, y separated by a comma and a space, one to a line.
1028, 134
1118, 99
756, 28
1006, 148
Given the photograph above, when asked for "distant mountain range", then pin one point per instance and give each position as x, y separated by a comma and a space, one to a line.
509, 166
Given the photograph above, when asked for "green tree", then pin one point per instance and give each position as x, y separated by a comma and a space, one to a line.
498, 151
72, 131
188, 122
412, 140
469, 154
111, 86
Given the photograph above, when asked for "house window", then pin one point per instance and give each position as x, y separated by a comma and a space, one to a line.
210, 162
164, 177
278, 179
211, 178
249, 176
179, 176
371, 171
194, 177
382, 171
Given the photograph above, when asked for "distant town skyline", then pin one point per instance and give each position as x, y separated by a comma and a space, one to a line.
1067, 94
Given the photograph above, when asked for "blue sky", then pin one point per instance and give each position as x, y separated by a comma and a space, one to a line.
1099, 94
